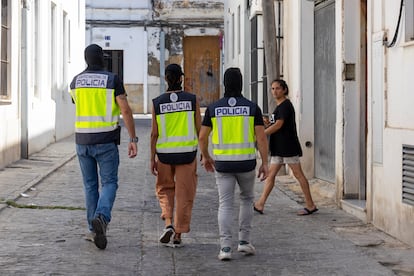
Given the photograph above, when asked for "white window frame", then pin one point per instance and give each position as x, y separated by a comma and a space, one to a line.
53, 48
37, 51
238, 30
5, 97
233, 36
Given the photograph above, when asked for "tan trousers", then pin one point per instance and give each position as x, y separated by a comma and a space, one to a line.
177, 182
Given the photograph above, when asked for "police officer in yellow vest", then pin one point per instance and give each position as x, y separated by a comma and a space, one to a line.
176, 122
236, 125
100, 97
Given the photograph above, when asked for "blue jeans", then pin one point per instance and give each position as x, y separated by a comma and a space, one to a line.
226, 183
106, 158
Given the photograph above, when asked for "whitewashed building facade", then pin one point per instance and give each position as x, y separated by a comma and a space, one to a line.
349, 81
141, 37
42, 46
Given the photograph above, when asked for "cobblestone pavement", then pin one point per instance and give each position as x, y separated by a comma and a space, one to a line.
42, 227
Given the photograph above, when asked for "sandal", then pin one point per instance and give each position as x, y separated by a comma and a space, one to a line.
305, 211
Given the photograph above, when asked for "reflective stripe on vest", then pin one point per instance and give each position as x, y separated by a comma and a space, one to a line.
176, 132
233, 138
96, 109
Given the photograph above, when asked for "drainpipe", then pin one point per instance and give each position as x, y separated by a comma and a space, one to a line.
162, 61
146, 70
24, 85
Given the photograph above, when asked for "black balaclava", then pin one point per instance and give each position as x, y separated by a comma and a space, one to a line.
94, 57
173, 73
233, 82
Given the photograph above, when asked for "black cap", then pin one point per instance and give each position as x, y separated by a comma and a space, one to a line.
174, 69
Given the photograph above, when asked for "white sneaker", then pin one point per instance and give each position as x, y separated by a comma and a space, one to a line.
90, 236
225, 254
246, 248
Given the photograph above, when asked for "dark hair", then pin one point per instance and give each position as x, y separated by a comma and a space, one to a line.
173, 74
283, 84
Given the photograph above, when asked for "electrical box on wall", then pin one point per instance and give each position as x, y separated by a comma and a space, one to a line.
349, 72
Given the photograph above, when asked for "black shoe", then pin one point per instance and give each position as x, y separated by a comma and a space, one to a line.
167, 234
177, 242
99, 227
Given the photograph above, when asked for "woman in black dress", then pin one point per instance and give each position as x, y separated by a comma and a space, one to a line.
284, 148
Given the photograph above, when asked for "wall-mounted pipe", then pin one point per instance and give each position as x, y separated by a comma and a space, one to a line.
146, 71
24, 84
162, 61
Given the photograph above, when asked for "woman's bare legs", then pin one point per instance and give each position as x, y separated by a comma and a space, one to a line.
268, 187
304, 184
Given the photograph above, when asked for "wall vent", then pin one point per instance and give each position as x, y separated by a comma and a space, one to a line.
408, 174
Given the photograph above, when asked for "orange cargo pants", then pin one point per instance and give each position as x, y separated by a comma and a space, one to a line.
176, 187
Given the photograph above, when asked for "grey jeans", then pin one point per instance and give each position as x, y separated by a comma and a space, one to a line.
226, 183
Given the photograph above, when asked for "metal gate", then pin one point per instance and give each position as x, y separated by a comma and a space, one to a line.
202, 67
325, 91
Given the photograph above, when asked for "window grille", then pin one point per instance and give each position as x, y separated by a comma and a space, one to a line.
408, 174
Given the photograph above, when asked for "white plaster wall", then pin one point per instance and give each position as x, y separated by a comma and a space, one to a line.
131, 41
153, 61
400, 87
121, 4
238, 58
339, 129
397, 218
51, 116
201, 9
306, 87
9, 111
118, 10
41, 109
154, 51
117, 14
65, 124
292, 53
351, 96
48, 115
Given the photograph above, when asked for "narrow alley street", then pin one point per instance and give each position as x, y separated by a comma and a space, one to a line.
42, 225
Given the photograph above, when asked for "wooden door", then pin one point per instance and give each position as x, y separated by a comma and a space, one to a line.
202, 67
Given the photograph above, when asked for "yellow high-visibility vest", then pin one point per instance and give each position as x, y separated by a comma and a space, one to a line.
233, 137
96, 108
176, 123
177, 133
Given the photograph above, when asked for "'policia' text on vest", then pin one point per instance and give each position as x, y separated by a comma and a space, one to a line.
175, 107
92, 80
232, 111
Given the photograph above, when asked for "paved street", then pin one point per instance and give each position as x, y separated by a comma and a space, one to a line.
42, 224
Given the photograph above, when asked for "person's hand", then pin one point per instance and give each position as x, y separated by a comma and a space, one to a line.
208, 163
263, 172
153, 167
266, 121
132, 149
